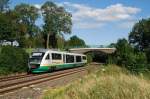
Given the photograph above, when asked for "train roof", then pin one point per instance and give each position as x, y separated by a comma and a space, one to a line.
56, 51
40, 50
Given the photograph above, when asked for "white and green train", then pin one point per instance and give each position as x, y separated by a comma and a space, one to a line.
44, 60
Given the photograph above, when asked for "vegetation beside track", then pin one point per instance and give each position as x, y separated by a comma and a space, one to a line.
13, 60
111, 82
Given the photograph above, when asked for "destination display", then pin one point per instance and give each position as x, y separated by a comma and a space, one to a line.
37, 54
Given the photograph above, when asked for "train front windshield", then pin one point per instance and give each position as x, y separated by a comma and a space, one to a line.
36, 57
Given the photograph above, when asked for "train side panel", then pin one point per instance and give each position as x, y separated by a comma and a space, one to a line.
58, 60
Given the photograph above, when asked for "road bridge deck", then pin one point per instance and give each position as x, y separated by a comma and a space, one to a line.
85, 50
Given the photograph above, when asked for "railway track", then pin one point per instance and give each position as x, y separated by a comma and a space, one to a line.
15, 77
19, 76
17, 83
12, 76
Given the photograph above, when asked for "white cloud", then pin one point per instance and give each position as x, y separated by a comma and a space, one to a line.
84, 13
38, 6
87, 25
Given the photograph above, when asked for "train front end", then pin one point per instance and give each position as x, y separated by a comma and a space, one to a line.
34, 62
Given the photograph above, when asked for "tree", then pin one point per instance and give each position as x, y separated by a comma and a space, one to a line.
39, 41
140, 35
28, 14
10, 28
3, 5
124, 52
56, 21
128, 57
5, 27
75, 41
60, 42
112, 45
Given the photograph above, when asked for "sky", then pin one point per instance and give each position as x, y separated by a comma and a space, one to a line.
99, 22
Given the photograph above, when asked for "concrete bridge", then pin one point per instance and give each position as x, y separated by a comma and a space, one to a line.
86, 50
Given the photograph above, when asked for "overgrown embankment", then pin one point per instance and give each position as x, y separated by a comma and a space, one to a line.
111, 82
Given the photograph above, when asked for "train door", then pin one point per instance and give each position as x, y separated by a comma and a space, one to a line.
47, 61
64, 58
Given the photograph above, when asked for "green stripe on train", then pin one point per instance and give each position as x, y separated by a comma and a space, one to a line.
59, 66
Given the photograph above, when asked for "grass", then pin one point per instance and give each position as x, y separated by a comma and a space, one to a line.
111, 82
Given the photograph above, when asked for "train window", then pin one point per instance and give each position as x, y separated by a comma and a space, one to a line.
56, 56
83, 57
78, 59
69, 59
35, 60
47, 57
36, 57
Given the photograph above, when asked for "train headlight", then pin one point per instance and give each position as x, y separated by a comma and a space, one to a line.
33, 66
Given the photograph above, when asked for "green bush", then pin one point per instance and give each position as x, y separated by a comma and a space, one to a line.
110, 60
128, 57
89, 57
13, 60
147, 51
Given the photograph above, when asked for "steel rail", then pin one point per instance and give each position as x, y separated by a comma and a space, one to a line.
18, 85
16, 77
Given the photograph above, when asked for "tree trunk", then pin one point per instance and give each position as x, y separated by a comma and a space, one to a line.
53, 41
47, 42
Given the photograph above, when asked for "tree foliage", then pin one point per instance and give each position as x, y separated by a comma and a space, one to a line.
60, 42
140, 34
128, 57
13, 60
139, 37
57, 21
75, 41
5, 27
10, 28
28, 14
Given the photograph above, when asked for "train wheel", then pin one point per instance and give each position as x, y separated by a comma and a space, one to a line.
29, 72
